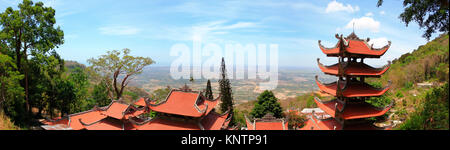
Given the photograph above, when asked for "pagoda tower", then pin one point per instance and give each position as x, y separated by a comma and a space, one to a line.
348, 109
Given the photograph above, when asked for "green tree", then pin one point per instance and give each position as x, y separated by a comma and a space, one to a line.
66, 97
432, 15
433, 113
296, 121
226, 92
100, 94
208, 93
161, 94
267, 103
29, 31
11, 93
47, 73
80, 83
118, 65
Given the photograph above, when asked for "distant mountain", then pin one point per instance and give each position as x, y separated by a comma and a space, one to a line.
292, 82
70, 65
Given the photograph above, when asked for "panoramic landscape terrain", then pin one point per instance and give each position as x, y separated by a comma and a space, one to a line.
292, 82
67, 66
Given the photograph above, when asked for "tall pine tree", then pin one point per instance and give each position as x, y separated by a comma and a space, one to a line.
208, 93
225, 91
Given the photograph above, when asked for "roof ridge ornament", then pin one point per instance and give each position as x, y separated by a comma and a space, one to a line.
185, 88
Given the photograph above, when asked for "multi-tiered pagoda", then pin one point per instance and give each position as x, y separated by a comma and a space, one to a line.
349, 108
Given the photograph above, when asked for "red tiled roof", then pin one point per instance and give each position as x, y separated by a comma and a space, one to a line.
362, 48
116, 110
87, 117
352, 89
140, 102
249, 124
321, 124
354, 47
106, 124
277, 124
136, 112
270, 126
112, 118
55, 121
215, 121
184, 103
351, 110
331, 124
165, 124
353, 69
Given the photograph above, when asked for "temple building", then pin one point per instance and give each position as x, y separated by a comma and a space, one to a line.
348, 110
183, 109
268, 122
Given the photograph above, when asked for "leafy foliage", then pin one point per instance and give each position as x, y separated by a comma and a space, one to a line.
225, 91
116, 64
295, 120
267, 103
160, 94
29, 31
429, 14
11, 93
433, 113
428, 62
208, 93
100, 94
79, 79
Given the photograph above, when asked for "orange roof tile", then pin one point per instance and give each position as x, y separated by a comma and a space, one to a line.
270, 126
352, 89
135, 112
354, 47
184, 103
55, 121
331, 124
87, 117
165, 124
106, 124
141, 102
116, 110
353, 69
261, 124
215, 121
351, 110
249, 124
362, 48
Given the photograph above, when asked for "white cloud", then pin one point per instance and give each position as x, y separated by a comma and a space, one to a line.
369, 14
207, 30
336, 7
364, 23
119, 30
378, 42
382, 12
240, 25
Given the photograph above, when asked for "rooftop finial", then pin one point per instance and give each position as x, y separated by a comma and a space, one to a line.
353, 27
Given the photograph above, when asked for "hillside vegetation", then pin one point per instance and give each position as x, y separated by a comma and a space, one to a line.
420, 86
6, 123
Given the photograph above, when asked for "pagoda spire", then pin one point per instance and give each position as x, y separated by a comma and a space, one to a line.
349, 108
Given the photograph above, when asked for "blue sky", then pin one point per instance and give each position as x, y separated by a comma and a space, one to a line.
151, 28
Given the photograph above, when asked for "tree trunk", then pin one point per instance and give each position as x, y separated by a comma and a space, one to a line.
122, 87
116, 74
25, 70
